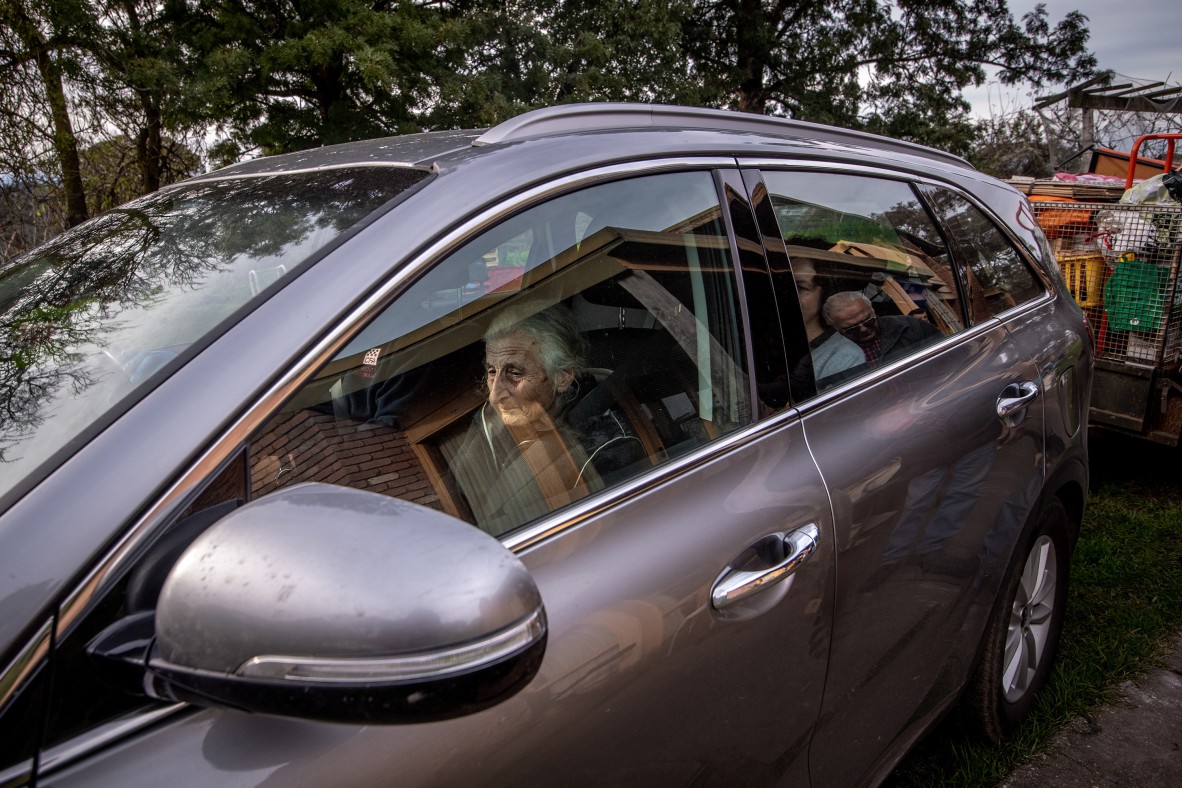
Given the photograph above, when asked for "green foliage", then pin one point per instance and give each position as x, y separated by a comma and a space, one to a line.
282, 77
273, 77
516, 55
896, 68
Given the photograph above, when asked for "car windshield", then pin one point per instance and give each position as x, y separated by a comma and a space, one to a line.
95, 316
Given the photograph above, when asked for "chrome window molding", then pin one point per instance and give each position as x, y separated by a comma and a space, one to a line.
16, 775
581, 510
188, 484
578, 512
98, 737
243, 176
23, 665
878, 374
947, 343
876, 170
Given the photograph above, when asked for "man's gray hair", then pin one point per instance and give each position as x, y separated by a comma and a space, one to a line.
555, 329
841, 300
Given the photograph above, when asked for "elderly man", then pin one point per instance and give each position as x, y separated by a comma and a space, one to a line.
530, 449
882, 338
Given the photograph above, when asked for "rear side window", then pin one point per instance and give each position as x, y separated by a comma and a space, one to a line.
574, 346
997, 278
873, 275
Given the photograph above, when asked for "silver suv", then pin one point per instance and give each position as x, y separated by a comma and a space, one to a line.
617, 444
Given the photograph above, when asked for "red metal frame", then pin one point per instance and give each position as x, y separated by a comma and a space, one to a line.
1169, 159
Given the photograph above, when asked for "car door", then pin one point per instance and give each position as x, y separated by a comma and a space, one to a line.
930, 485
677, 528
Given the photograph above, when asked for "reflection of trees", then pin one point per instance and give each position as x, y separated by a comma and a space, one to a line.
62, 304
38, 364
992, 260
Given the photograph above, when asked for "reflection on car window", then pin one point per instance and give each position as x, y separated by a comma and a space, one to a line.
575, 345
997, 276
97, 312
872, 274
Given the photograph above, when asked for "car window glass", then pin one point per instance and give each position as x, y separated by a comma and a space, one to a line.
573, 346
997, 277
872, 273
96, 316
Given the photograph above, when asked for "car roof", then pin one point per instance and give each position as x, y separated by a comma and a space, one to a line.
713, 132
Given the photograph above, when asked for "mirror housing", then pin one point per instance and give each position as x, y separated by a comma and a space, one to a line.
330, 603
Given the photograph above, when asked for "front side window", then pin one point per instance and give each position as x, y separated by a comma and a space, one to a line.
574, 346
872, 274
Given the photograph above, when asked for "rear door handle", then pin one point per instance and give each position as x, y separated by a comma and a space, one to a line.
736, 584
1014, 399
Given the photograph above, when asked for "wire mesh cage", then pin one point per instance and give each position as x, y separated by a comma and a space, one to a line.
1120, 262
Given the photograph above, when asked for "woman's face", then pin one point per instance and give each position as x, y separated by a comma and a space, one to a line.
808, 288
518, 387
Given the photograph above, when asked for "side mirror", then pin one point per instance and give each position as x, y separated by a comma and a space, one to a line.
330, 603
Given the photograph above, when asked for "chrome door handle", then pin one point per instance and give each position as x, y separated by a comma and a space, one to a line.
1014, 399
734, 585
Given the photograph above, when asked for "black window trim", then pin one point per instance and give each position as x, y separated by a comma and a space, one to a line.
739, 213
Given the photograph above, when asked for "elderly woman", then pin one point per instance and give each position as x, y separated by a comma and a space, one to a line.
530, 448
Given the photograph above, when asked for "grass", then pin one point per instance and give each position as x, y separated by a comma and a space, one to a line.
1125, 603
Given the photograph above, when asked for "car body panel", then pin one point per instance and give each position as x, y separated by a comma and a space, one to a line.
637, 663
935, 463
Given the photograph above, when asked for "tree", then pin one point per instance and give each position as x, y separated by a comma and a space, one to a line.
140, 89
28, 44
278, 77
896, 68
154, 76
1012, 145
891, 66
515, 55
73, 75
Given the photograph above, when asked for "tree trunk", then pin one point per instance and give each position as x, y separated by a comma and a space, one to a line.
750, 18
64, 141
65, 144
148, 145
329, 93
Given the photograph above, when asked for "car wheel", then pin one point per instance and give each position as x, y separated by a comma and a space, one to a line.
1023, 634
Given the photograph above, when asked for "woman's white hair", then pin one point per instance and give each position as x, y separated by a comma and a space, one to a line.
561, 347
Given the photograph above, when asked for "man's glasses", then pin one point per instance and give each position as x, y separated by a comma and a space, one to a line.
867, 323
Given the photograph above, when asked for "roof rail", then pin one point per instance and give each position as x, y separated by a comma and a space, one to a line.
599, 116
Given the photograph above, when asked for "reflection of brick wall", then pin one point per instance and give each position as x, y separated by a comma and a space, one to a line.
305, 446
229, 485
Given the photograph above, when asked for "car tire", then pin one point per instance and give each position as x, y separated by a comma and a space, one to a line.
1023, 635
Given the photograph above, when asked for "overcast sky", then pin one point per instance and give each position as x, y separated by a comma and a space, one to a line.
1135, 38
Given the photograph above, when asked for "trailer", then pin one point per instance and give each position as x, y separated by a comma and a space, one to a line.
1121, 263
